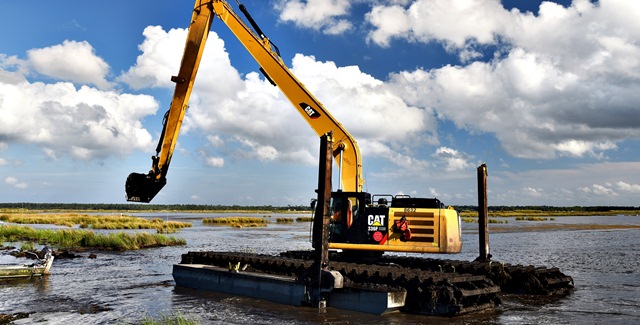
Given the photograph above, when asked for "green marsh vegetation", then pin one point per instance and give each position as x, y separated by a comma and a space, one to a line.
238, 222
131, 207
243, 221
539, 216
85, 238
174, 318
96, 222
79, 239
534, 218
490, 220
550, 212
542, 214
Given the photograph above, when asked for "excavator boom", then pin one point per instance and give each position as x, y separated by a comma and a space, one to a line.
402, 224
143, 187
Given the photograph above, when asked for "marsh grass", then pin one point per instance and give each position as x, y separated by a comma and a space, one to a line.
490, 220
237, 222
547, 213
174, 318
534, 218
27, 246
75, 239
284, 220
96, 222
304, 219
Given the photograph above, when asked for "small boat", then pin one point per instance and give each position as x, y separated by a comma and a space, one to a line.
38, 268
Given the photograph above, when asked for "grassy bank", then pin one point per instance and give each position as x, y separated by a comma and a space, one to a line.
78, 239
96, 222
491, 220
547, 213
237, 222
241, 221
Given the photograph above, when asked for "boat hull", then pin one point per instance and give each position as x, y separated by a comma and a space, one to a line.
42, 267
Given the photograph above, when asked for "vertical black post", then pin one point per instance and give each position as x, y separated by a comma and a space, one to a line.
483, 214
322, 217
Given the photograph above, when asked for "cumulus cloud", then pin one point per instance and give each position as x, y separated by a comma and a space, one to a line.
15, 182
162, 55
607, 184
533, 192
427, 20
598, 189
561, 81
71, 61
81, 122
215, 161
564, 82
12, 69
253, 119
322, 15
626, 187
453, 159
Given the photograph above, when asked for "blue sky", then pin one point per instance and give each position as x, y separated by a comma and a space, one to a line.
546, 93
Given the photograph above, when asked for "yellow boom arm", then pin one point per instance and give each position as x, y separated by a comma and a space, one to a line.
143, 187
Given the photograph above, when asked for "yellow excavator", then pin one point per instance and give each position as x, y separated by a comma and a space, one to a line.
361, 221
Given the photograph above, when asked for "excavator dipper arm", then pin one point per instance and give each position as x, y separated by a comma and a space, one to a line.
143, 187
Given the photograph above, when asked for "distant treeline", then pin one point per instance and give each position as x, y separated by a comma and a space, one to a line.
549, 208
147, 207
220, 207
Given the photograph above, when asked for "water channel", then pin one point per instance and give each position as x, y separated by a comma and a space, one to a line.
124, 287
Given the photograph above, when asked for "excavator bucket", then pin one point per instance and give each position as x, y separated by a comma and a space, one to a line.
143, 187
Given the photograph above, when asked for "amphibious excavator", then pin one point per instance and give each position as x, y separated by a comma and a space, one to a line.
362, 221
357, 221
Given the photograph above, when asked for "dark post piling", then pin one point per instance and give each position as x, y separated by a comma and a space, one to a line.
322, 218
483, 214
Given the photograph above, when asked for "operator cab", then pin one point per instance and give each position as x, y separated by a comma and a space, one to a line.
364, 222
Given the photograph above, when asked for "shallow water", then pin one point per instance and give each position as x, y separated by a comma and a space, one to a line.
119, 288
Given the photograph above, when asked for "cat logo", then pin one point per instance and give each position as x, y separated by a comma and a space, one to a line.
312, 113
376, 220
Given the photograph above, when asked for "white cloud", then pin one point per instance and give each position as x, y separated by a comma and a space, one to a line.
607, 183
250, 110
162, 53
320, 15
259, 151
533, 192
10, 180
15, 182
71, 61
579, 148
598, 189
427, 20
215, 161
626, 187
12, 69
453, 159
564, 82
215, 140
83, 122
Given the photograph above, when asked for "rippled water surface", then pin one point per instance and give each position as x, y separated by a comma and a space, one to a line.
120, 288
